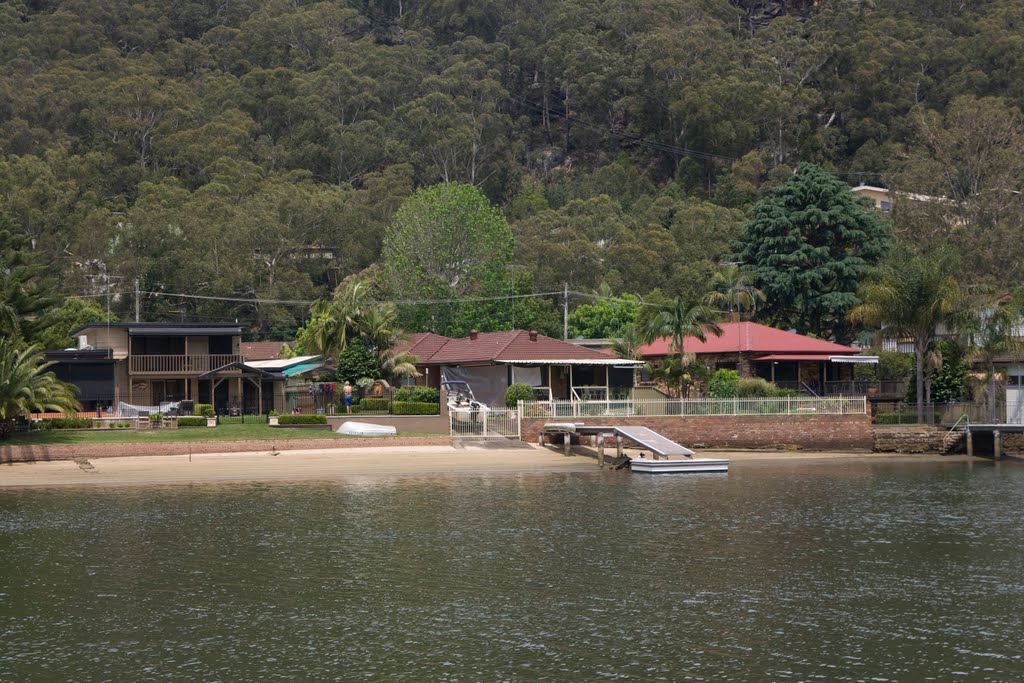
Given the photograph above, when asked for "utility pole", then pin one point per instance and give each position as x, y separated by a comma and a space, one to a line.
565, 312
136, 299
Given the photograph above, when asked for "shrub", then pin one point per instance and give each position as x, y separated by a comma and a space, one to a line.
516, 393
413, 408
156, 417
191, 421
273, 413
724, 384
302, 420
418, 395
368, 404
66, 422
204, 410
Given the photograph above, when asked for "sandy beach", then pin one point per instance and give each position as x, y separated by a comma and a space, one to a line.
340, 464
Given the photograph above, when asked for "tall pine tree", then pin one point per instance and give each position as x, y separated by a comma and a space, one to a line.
809, 243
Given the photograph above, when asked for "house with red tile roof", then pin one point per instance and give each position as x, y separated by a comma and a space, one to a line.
785, 358
262, 350
491, 361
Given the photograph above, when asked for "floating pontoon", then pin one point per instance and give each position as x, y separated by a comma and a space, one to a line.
669, 456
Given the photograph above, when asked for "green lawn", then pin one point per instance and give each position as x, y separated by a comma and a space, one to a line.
241, 432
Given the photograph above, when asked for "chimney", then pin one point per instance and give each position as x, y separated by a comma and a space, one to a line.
473, 334
533, 335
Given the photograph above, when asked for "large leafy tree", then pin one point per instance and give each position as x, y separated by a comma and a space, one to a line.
26, 387
445, 242
911, 295
809, 243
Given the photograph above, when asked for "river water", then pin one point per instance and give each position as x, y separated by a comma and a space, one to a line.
833, 572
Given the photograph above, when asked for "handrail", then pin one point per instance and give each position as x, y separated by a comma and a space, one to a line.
813, 393
965, 416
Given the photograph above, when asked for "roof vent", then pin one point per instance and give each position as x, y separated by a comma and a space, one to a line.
533, 335
473, 334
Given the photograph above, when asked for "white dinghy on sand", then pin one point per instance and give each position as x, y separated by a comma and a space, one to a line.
365, 429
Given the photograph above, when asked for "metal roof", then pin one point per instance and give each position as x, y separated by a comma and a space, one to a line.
183, 331
299, 369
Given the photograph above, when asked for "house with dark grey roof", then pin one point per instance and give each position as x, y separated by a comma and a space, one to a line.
150, 364
491, 361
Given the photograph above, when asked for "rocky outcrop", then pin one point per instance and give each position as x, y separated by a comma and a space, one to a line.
760, 13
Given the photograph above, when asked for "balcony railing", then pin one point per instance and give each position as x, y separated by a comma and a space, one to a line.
179, 365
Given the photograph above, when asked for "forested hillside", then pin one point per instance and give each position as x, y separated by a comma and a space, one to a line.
258, 149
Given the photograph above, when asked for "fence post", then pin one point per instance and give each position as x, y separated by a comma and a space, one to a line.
735, 405
519, 419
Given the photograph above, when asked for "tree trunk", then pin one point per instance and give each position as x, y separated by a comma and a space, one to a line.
919, 351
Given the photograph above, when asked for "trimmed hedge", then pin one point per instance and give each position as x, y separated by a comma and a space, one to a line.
65, 423
413, 408
368, 404
418, 395
302, 420
191, 421
204, 410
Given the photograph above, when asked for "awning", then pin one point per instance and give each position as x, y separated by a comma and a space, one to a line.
610, 360
777, 357
184, 331
299, 369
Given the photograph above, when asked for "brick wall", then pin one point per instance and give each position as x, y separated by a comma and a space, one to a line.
811, 432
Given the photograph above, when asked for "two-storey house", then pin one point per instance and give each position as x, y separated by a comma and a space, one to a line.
150, 364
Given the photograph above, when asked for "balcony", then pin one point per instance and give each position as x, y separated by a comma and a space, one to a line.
187, 366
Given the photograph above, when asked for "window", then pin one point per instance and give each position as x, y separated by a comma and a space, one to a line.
885, 206
1015, 381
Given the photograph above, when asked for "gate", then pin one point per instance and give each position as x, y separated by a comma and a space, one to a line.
497, 423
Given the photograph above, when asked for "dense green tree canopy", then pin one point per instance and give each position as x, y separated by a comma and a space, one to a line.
255, 152
809, 244
445, 242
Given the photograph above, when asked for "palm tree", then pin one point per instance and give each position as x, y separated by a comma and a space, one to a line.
677, 320
910, 297
333, 322
378, 328
733, 289
990, 334
25, 387
627, 344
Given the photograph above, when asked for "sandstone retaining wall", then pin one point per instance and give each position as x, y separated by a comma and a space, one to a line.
809, 432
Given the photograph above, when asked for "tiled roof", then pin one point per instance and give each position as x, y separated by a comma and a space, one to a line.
752, 337
262, 350
510, 346
423, 345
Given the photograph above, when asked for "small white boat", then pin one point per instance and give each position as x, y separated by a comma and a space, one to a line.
648, 466
365, 429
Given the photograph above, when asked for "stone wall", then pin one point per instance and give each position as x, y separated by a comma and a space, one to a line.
909, 439
810, 432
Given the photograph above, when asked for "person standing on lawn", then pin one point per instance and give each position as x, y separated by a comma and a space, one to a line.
348, 397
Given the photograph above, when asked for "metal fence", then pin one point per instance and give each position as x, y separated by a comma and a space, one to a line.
903, 413
497, 423
698, 407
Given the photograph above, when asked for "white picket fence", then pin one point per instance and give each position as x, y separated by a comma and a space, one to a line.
697, 407
497, 423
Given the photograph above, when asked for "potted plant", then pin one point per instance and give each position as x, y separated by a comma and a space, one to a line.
156, 420
272, 418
